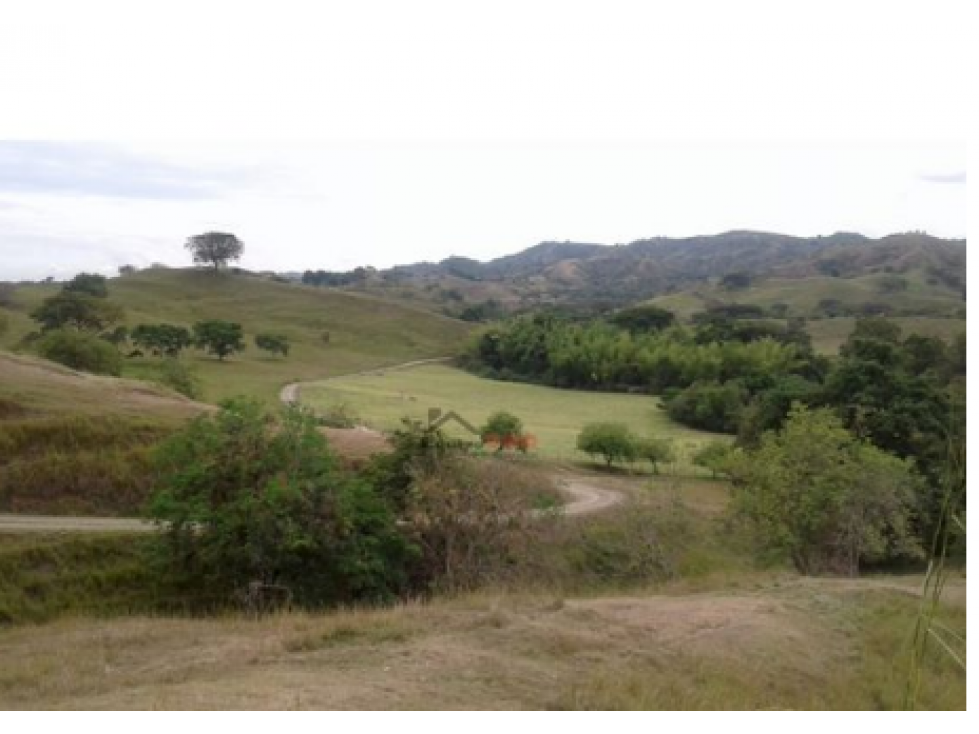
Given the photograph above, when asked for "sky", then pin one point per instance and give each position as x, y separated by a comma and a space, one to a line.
71, 206
328, 135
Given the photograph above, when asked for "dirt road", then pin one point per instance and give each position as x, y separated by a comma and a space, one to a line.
11, 523
291, 393
586, 498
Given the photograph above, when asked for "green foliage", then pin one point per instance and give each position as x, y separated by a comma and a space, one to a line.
768, 408
644, 317
273, 343
614, 442
215, 248
246, 496
178, 376
600, 356
80, 351
712, 456
880, 398
711, 406
4, 324
90, 283
656, 451
339, 415
161, 339
503, 429
416, 450
219, 337
78, 310
826, 498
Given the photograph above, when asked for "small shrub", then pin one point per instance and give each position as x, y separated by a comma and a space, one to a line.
80, 351
273, 343
712, 456
339, 415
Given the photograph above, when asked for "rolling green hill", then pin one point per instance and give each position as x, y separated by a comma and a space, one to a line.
331, 332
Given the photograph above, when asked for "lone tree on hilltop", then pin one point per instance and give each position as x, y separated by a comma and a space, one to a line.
215, 248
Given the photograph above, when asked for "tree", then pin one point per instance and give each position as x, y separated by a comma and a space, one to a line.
710, 406
127, 269
611, 441
247, 497
77, 310
504, 430
924, 353
215, 248
273, 343
644, 318
712, 456
656, 451
81, 351
219, 337
828, 499
91, 283
161, 339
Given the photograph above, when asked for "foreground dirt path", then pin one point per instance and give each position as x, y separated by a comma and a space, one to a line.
784, 643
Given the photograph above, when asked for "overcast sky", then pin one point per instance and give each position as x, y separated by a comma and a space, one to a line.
65, 207
424, 129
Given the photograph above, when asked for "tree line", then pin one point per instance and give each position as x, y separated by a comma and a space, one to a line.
904, 395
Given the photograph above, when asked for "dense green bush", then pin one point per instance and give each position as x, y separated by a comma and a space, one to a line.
829, 500
251, 497
80, 350
710, 406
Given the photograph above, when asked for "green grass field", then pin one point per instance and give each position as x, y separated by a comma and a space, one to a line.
554, 416
364, 332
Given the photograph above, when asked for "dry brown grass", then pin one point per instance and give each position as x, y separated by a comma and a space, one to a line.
799, 644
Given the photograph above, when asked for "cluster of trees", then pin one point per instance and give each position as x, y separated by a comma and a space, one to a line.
328, 278
77, 326
708, 374
80, 327
278, 511
901, 395
614, 442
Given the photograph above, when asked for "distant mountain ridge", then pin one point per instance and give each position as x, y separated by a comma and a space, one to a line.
576, 272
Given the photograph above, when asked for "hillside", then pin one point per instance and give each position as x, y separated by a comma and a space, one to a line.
331, 332
595, 277
76, 443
